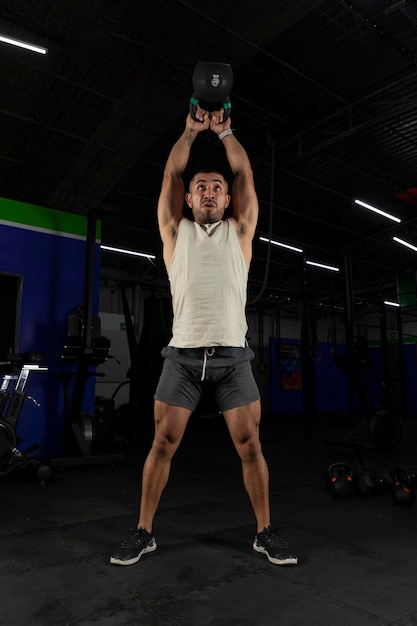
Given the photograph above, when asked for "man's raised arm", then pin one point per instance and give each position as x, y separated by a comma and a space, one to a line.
171, 197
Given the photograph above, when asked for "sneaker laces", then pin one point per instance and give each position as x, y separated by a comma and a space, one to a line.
135, 536
273, 538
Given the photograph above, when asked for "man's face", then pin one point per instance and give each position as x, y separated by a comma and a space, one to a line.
208, 197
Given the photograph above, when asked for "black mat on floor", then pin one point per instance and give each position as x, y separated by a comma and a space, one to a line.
357, 554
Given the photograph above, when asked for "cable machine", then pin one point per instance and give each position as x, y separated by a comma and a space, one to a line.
86, 349
383, 426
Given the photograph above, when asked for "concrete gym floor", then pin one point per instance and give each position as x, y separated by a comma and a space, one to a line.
357, 555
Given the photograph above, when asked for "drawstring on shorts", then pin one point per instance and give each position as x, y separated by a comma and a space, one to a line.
207, 352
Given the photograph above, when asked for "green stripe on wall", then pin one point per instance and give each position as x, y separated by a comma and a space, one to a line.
45, 219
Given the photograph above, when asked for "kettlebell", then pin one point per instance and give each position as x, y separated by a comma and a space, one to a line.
339, 479
403, 492
374, 483
365, 483
212, 83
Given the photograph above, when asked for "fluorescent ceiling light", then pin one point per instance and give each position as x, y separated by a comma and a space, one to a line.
323, 266
130, 252
405, 243
372, 208
294, 249
391, 303
281, 245
23, 44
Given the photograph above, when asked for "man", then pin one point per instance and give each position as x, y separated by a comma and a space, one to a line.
207, 261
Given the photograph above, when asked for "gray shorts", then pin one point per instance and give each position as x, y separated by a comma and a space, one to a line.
187, 372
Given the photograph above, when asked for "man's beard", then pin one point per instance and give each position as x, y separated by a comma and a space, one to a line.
210, 220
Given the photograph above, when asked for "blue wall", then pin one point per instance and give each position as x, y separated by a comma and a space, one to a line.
331, 382
51, 262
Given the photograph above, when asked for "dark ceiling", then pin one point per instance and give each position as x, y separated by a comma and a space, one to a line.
324, 100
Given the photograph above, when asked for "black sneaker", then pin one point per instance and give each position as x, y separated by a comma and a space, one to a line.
139, 542
275, 548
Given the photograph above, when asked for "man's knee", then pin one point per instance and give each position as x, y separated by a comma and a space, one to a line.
249, 447
164, 446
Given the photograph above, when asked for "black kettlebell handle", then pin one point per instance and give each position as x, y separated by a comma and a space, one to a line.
341, 469
195, 101
402, 477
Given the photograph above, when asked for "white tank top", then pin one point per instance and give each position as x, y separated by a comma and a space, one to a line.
208, 280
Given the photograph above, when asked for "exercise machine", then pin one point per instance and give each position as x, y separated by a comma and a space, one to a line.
381, 424
85, 348
16, 372
384, 427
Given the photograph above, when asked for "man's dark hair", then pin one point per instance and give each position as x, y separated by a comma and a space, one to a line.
208, 169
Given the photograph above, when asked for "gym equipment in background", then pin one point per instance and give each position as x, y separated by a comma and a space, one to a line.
384, 427
80, 428
339, 479
404, 489
85, 348
134, 420
376, 482
212, 83
16, 371
381, 424
342, 480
